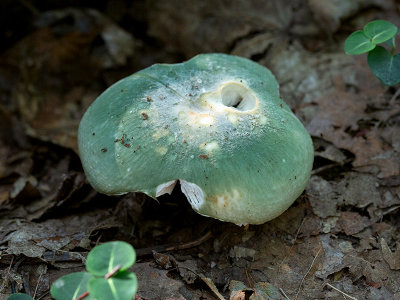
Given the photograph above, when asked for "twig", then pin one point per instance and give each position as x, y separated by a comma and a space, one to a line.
326, 167
165, 248
9, 268
37, 284
393, 99
294, 241
43, 295
308, 271
190, 244
283, 293
249, 279
212, 286
343, 293
30, 7
206, 280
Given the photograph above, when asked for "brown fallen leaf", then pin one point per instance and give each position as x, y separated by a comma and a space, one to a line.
392, 258
238, 290
51, 91
343, 120
212, 286
323, 197
331, 13
261, 291
33, 239
165, 261
155, 284
208, 21
351, 222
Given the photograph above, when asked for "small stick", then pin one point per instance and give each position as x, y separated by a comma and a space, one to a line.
327, 167
394, 97
308, 271
45, 294
9, 268
30, 7
206, 280
294, 242
37, 284
165, 248
190, 244
249, 280
283, 293
343, 293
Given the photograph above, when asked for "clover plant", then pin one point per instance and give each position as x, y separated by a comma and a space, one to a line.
384, 64
107, 277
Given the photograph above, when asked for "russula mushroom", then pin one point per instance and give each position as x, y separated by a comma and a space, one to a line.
215, 123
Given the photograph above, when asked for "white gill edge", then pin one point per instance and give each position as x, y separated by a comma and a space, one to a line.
165, 188
193, 193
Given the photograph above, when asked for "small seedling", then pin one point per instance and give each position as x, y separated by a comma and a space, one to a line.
384, 64
107, 277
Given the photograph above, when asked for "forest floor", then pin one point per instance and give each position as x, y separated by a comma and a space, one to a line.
339, 240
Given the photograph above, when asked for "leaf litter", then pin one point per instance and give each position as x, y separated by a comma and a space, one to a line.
339, 239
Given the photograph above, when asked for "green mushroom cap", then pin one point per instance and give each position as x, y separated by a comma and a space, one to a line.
215, 123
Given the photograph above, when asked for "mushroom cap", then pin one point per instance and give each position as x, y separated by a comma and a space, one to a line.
215, 123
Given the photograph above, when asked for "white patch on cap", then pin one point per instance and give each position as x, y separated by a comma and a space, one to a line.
160, 133
263, 120
232, 118
162, 150
193, 193
195, 118
210, 146
165, 188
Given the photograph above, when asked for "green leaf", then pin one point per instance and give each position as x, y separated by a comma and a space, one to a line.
104, 258
391, 42
71, 286
380, 31
122, 286
358, 43
385, 66
19, 296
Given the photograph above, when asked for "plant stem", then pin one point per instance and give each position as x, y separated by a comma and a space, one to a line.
84, 295
113, 271
107, 276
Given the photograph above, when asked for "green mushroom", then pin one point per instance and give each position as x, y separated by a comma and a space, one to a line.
215, 123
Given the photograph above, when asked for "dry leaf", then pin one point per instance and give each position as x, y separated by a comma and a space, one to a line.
392, 258
352, 222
